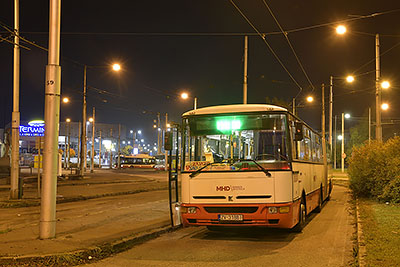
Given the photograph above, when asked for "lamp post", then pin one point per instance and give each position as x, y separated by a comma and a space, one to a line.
82, 167
14, 192
92, 151
343, 154
68, 121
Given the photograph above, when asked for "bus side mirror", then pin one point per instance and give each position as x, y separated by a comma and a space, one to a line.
168, 141
298, 136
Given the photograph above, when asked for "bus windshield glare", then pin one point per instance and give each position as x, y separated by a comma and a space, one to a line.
235, 142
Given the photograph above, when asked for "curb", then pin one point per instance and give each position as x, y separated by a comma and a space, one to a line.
362, 251
88, 255
28, 203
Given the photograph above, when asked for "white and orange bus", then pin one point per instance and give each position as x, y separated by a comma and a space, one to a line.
250, 165
141, 161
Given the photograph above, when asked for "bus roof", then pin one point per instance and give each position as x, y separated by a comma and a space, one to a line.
233, 109
138, 156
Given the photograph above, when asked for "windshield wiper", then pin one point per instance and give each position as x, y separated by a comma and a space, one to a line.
267, 173
193, 174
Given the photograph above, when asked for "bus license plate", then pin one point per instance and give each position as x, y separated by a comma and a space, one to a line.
230, 217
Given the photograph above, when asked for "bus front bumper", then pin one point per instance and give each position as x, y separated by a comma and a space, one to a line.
282, 215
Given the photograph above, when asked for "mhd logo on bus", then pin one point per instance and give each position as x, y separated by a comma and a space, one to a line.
34, 128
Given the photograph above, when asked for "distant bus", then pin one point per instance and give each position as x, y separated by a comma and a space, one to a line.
142, 161
250, 165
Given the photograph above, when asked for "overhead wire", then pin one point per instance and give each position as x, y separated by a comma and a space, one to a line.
285, 34
267, 44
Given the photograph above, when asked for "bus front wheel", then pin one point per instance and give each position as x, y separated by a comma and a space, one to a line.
302, 218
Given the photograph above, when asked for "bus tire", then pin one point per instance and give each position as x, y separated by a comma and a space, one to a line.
302, 218
319, 207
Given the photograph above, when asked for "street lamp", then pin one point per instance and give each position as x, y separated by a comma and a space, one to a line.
185, 95
65, 100
92, 120
385, 84
341, 29
385, 106
82, 167
310, 99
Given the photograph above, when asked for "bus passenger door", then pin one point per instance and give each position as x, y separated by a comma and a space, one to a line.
296, 182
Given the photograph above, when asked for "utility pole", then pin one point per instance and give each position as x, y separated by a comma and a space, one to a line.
69, 143
330, 111
111, 157
79, 144
82, 165
92, 152
166, 151
378, 91
342, 142
195, 103
334, 144
65, 146
369, 125
100, 144
119, 146
14, 192
51, 118
294, 106
158, 134
245, 70
325, 176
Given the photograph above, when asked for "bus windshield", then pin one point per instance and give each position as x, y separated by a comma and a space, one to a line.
235, 142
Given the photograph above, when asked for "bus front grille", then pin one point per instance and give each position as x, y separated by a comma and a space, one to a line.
231, 209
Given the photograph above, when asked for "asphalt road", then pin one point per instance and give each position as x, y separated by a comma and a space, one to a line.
325, 241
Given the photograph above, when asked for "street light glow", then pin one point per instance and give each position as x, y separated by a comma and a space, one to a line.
341, 29
65, 100
90, 119
68, 120
139, 132
347, 116
116, 67
310, 99
350, 79
385, 106
184, 95
340, 137
385, 84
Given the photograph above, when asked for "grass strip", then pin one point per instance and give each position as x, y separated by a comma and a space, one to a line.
381, 231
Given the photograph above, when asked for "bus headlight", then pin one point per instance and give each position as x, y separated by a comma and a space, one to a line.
284, 209
272, 210
190, 210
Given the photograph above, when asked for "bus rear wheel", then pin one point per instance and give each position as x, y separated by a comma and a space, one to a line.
302, 218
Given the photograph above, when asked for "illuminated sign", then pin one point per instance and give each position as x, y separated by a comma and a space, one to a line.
227, 125
34, 128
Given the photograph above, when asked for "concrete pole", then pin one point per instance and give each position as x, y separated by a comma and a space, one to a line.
14, 192
378, 91
245, 70
342, 142
65, 145
119, 146
69, 144
82, 165
92, 152
111, 157
166, 151
334, 145
39, 139
79, 144
158, 134
51, 118
100, 144
330, 111
195, 103
325, 176
369, 125
294, 106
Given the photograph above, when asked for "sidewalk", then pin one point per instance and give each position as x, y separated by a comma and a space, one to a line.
97, 212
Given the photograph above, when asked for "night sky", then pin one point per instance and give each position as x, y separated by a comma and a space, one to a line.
166, 47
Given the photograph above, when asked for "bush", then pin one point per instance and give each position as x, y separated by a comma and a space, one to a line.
374, 170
